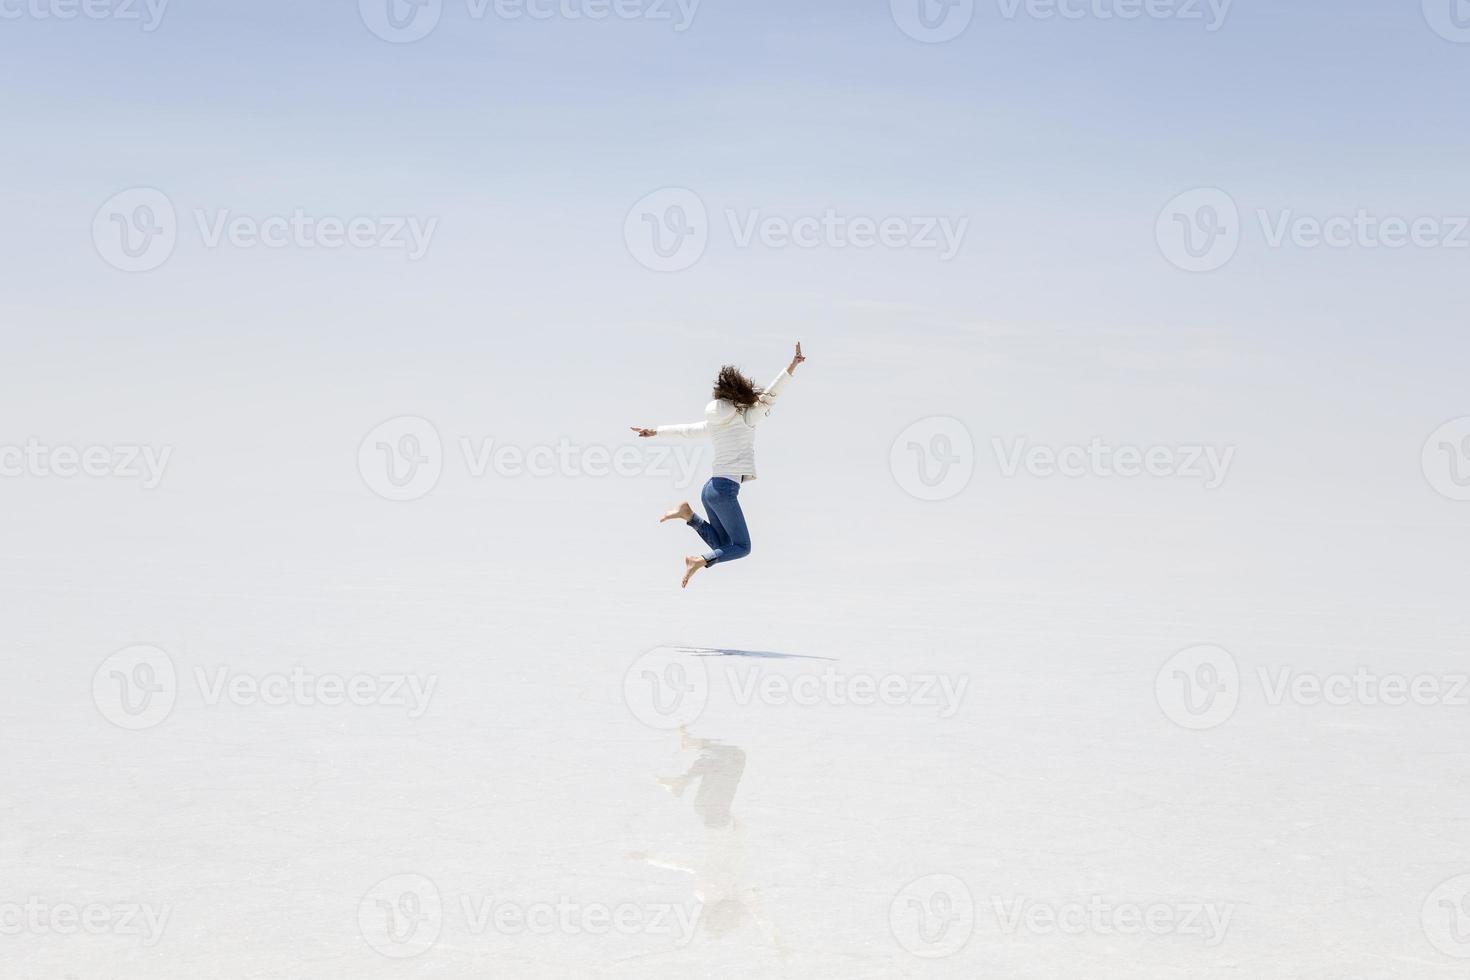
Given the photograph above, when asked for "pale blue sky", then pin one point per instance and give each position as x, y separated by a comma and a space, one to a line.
1059, 138
529, 142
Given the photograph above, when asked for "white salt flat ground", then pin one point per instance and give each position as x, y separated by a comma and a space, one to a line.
265, 830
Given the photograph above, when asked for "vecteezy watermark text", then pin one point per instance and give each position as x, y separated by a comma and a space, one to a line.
934, 459
147, 13
38, 460
37, 917
669, 687
404, 458
137, 230
1211, 13
1200, 688
830, 686
1207, 464
670, 229
937, 21
407, 21
1101, 916
1202, 230
137, 688
403, 916
1364, 687
934, 916
303, 688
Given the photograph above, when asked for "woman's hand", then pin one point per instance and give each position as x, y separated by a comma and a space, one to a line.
644, 433
799, 358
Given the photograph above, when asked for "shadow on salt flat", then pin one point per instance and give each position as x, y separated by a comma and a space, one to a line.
764, 654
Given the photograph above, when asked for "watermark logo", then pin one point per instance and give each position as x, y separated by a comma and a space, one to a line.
149, 13
1446, 459
402, 459
933, 917
933, 21
1199, 688
666, 688
933, 459
1450, 19
401, 21
136, 230
401, 917
1446, 917
668, 231
136, 687
1199, 230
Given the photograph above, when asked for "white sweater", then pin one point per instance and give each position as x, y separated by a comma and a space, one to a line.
732, 430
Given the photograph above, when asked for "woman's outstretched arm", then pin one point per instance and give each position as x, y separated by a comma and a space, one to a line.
689, 430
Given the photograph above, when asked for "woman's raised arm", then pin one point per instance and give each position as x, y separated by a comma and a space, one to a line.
768, 400
796, 361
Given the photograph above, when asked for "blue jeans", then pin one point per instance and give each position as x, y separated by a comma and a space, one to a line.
725, 530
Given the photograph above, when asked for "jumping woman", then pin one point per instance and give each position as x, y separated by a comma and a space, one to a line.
729, 422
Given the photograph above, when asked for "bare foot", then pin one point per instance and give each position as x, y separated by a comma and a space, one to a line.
692, 564
683, 512
674, 784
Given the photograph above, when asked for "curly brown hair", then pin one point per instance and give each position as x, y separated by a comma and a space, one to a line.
734, 387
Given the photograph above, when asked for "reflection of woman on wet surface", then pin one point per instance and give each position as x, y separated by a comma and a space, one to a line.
719, 879
718, 770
